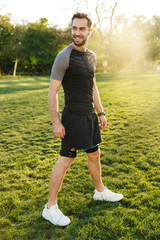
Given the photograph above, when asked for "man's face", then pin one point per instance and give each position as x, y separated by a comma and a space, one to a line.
80, 31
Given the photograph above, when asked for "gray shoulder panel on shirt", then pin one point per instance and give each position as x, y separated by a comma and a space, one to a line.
61, 63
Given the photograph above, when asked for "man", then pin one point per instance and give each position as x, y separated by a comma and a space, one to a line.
74, 68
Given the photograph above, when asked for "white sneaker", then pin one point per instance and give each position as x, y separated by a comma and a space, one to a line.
55, 216
107, 195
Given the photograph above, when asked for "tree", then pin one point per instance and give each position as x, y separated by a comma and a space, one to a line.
153, 38
105, 11
6, 32
17, 40
39, 46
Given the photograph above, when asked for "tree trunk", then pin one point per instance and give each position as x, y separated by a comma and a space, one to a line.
111, 33
144, 62
99, 20
111, 18
15, 67
105, 64
87, 7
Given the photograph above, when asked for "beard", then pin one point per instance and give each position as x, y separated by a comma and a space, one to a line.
79, 44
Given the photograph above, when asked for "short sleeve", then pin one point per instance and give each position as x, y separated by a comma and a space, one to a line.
95, 62
60, 66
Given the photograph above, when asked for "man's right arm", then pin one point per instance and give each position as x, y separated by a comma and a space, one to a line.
58, 128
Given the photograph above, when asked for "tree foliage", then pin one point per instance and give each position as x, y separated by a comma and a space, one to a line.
134, 43
153, 38
6, 35
40, 47
34, 46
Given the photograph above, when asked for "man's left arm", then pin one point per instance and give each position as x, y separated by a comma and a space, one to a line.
98, 105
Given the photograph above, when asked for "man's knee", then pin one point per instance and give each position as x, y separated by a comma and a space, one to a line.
65, 162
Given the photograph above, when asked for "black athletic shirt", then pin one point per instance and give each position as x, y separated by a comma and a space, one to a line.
76, 70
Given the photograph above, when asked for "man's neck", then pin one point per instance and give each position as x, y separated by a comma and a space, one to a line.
80, 48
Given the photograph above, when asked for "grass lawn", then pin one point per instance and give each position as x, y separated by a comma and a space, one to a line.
130, 155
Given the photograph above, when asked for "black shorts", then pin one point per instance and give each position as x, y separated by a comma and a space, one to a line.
81, 131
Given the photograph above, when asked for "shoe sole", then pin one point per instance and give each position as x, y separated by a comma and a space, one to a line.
107, 200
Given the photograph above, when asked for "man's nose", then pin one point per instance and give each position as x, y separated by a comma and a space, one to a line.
77, 32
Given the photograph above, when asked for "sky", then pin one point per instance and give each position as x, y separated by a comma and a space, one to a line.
59, 12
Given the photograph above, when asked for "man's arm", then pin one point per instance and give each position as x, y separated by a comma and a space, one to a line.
98, 105
58, 128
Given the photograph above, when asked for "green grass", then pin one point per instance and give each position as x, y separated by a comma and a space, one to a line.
130, 155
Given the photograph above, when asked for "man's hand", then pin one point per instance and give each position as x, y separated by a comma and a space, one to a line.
59, 130
103, 122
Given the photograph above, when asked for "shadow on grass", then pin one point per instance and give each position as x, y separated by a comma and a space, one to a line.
129, 76
22, 83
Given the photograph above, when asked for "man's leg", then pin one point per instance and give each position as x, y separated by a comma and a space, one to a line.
51, 212
94, 167
57, 177
101, 192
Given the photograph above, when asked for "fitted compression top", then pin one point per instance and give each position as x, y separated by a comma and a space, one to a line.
76, 70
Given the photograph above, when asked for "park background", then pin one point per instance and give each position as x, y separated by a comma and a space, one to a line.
127, 44
120, 41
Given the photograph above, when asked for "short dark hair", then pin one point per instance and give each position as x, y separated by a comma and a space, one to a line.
83, 15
